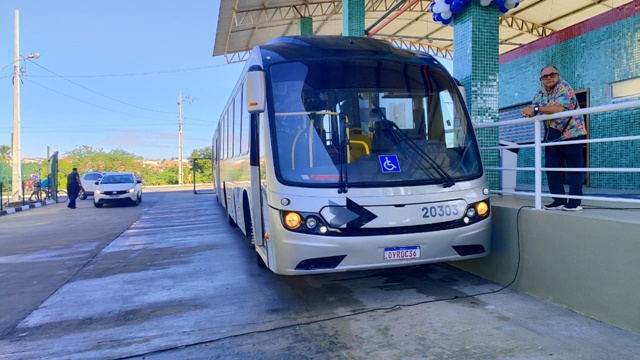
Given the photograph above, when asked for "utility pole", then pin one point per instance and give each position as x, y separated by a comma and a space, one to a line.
180, 170
16, 179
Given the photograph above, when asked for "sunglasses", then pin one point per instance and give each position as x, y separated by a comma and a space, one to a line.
548, 76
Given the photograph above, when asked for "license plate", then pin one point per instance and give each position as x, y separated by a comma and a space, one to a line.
402, 253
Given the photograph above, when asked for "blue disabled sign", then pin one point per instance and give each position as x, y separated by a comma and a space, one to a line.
389, 163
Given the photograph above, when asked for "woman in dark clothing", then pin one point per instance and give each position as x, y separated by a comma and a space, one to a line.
73, 187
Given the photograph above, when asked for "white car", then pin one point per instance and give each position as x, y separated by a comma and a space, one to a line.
118, 188
88, 182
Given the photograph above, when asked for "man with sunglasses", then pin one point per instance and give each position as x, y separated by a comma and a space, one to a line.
556, 95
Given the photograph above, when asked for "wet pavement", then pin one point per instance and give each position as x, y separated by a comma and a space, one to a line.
170, 279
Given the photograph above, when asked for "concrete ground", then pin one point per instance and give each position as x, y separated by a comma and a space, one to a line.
170, 279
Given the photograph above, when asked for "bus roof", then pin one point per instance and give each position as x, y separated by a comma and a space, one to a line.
290, 48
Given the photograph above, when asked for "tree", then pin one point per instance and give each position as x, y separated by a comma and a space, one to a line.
5, 153
203, 169
86, 158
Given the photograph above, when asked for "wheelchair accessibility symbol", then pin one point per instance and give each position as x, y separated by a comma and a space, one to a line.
389, 163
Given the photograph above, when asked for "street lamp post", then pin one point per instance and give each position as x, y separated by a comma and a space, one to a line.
16, 179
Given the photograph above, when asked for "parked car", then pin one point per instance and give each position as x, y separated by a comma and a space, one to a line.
88, 181
118, 188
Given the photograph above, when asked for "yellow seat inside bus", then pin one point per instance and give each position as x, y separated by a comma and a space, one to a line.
360, 143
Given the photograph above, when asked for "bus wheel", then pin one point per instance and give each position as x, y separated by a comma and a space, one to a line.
230, 219
248, 225
260, 262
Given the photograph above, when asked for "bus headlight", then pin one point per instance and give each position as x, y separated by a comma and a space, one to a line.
311, 222
471, 212
482, 208
303, 222
292, 220
477, 211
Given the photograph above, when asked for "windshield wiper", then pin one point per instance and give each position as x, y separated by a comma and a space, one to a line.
395, 134
342, 154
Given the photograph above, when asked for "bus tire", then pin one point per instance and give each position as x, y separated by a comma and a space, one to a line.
227, 210
230, 219
260, 262
248, 225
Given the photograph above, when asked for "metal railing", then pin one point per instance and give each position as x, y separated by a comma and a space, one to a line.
538, 145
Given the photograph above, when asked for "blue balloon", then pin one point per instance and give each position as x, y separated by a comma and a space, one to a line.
500, 3
447, 21
503, 9
516, 5
448, 2
438, 17
456, 6
432, 5
435, 17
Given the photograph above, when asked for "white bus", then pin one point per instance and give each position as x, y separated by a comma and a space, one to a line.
347, 153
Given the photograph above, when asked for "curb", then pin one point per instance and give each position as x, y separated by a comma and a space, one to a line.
14, 210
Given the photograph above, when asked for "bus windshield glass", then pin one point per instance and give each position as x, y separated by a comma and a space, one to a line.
369, 123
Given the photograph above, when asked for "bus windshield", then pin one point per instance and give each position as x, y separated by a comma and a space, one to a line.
369, 123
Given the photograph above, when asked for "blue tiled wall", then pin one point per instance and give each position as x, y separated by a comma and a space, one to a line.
590, 61
353, 12
475, 31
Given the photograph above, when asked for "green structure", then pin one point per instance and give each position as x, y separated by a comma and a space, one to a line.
353, 12
305, 26
475, 33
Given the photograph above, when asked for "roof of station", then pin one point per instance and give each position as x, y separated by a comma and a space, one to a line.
243, 24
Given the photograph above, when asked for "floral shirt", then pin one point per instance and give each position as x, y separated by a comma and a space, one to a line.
562, 95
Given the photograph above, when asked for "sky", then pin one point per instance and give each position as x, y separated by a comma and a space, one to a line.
110, 74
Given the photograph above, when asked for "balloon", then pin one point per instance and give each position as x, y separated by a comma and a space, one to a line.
446, 15
431, 7
482, 2
456, 6
448, 2
446, 21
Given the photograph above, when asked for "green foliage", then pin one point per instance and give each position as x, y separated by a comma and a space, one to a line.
202, 166
5, 153
87, 158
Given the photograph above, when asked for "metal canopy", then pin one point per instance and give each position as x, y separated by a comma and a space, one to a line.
243, 24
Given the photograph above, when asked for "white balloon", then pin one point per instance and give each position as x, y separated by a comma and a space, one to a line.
436, 8
445, 8
446, 14
485, 2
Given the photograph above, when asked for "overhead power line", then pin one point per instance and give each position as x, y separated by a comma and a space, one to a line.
103, 95
91, 104
149, 73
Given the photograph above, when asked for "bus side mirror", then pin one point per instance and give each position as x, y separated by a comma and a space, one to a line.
255, 90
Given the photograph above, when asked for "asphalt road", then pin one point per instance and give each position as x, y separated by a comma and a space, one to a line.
170, 279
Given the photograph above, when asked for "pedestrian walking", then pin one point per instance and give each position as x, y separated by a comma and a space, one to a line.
73, 187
